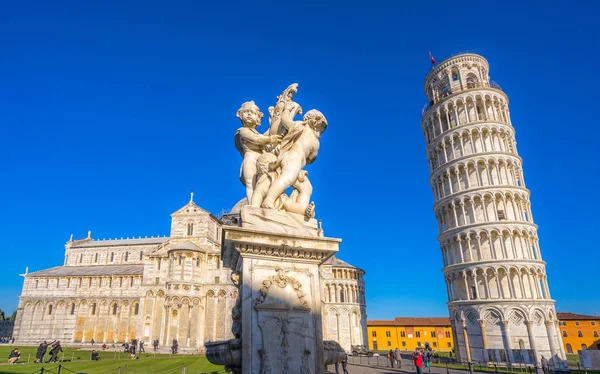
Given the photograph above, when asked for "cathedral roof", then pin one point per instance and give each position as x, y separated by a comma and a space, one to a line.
97, 270
334, 261
188, 246
119, 242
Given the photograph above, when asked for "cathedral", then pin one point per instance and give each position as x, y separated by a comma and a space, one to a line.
163, 288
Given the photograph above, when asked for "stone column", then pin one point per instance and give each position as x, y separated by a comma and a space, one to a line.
483, 333
466, 337
507, 342
559, 341
466, 284
476, 286
531, 337
551, 337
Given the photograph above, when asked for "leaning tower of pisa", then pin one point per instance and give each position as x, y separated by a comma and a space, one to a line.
498, 295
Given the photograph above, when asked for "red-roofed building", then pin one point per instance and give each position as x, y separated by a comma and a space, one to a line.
408, 333
579, 332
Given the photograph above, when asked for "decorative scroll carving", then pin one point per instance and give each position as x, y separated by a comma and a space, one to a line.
282, 280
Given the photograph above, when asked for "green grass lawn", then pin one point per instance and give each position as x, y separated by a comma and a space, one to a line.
109, 363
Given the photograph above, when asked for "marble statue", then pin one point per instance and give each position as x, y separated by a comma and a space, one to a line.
251, 144
275, 161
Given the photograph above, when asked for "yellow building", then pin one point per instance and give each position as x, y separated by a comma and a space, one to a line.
410, 333
579, 332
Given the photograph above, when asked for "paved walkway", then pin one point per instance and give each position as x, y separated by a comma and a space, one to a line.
374, 365
380, 365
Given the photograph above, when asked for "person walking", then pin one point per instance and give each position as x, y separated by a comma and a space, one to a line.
345, 363
41, 352
142, 350
93, 341
545, 366
56, 349
397, 358
391, 357
425, 354
418, 360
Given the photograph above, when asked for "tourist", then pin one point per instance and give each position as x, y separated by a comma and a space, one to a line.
142, 350
95, 355
56, 348
391, 357
174, 347
41, 352
345, 363
545, 367
397, 358
103, 347
155, 344
14, 356
125, 347
425, 354
418, 360
93, 341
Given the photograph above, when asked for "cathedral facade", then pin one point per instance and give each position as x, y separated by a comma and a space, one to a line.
163, 288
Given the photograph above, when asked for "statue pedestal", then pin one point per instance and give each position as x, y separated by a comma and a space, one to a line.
279, 305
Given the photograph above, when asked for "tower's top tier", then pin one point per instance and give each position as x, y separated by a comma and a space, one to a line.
455, 74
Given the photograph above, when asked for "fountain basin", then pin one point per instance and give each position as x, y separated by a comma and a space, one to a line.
332, 352
225, 352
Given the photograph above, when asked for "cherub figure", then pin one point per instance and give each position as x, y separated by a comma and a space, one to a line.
299, 148
250, 143
299, 200
263, 178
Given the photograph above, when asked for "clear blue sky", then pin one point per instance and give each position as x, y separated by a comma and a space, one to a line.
112, 111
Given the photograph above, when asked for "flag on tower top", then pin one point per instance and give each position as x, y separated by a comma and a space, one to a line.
431, 58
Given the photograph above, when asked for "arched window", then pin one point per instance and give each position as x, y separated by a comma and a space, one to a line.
112, 256
455, 76
93, 308
565, 334
96, 257
49, 309
180, 259
126, 256
472, 81
569, 348
579, 334
190, 229
595, 334
72, 308
342, 296
114, 309
198, 262
141, 255
81, 258
584, 347
136, 309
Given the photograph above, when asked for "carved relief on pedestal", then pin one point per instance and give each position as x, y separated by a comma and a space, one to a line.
285, 322
281, 280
